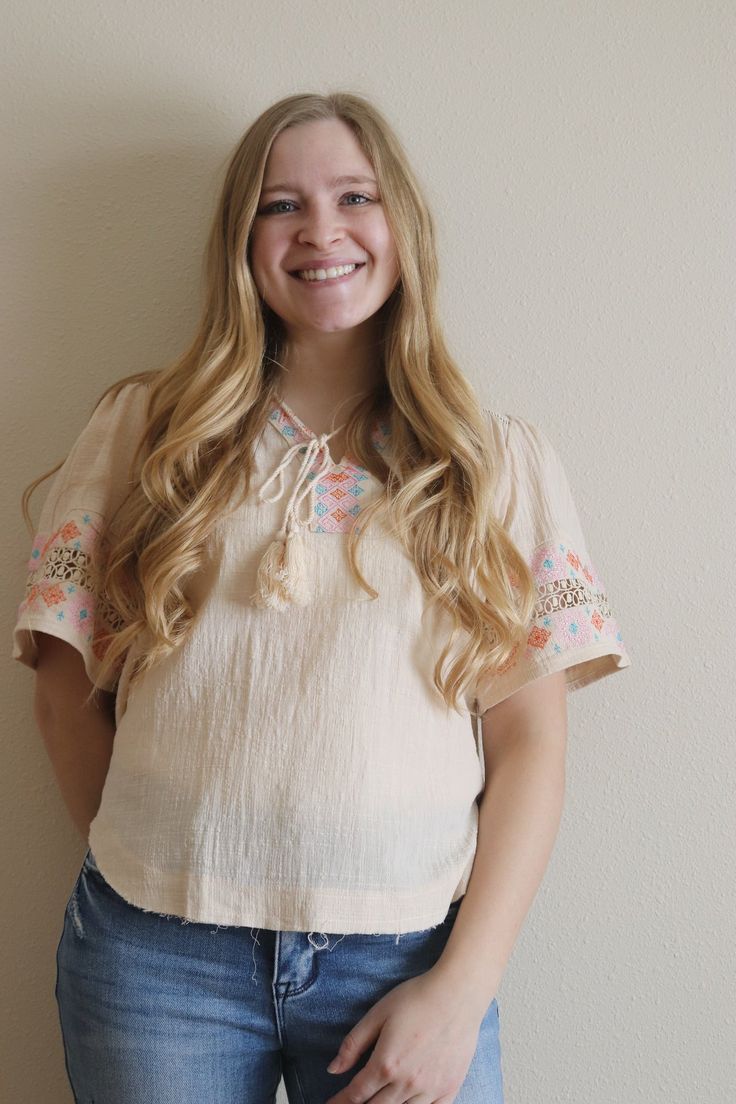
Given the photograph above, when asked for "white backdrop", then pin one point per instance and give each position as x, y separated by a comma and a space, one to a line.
579, 157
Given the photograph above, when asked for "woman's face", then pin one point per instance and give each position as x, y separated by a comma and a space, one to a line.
307, 219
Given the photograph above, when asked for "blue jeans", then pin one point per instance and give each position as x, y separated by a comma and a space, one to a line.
156, 1009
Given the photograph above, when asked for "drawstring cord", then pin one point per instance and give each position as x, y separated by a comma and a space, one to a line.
281, 577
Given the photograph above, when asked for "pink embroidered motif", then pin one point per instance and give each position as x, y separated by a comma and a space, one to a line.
60, 582
338, 492
572, 609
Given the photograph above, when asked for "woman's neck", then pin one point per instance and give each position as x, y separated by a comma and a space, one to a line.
322, 386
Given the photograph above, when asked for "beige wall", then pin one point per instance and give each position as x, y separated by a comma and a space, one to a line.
579, 158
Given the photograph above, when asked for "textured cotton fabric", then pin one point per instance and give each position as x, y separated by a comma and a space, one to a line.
296, 769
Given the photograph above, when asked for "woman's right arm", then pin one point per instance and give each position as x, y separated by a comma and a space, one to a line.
78, 737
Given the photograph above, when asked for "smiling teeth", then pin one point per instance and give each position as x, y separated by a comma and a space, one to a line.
326, 273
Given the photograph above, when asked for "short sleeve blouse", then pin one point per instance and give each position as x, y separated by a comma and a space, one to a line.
297, 769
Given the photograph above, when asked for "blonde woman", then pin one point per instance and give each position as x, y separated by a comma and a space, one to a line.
303, 616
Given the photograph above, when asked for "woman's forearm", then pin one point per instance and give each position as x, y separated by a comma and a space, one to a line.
517, 825
79, 744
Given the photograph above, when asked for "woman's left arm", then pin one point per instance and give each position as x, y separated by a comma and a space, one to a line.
425, 1030
524, 748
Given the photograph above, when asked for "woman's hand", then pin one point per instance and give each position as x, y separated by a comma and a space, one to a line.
427, 1035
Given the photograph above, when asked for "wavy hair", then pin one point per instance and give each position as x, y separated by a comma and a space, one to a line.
207, 408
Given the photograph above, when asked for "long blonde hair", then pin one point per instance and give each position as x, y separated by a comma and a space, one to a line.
208, 407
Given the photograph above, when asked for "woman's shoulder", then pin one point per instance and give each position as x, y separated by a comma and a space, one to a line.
126, 395
497, 422
518, 435
531, 471
507, 421
97, 463
495, 416
116, 421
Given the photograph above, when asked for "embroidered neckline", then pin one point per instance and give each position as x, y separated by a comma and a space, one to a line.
293, 430
327, 488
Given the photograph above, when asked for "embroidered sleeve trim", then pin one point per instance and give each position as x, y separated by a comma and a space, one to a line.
61, 583
572, 611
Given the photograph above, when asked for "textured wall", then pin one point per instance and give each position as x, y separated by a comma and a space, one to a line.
579, 158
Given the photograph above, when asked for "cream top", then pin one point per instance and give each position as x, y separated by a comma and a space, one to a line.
295, 768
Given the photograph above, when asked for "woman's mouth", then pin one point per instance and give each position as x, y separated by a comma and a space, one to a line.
319, 277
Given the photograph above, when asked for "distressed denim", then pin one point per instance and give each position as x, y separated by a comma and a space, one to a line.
156, 1009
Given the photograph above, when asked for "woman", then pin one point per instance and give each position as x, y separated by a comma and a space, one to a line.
311, 588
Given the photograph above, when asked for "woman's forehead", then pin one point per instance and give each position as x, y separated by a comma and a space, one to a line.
322, 151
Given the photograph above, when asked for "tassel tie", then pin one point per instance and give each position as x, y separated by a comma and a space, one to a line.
281, 577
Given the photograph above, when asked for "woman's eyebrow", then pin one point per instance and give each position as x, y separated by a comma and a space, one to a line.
334, 183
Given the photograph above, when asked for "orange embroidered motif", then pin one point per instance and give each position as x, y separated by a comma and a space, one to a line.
69, 531
52, 595
538, 637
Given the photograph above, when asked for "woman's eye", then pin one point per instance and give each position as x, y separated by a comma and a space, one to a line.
271, 209
359, 195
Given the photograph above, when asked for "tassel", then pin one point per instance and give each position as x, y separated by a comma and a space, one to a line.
281, 578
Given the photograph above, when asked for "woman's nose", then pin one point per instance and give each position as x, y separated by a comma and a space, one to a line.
321, 228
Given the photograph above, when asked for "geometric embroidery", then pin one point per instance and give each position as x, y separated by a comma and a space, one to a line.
337, 498
61, 582
69, 563
566, 593
572, 608
337, 494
